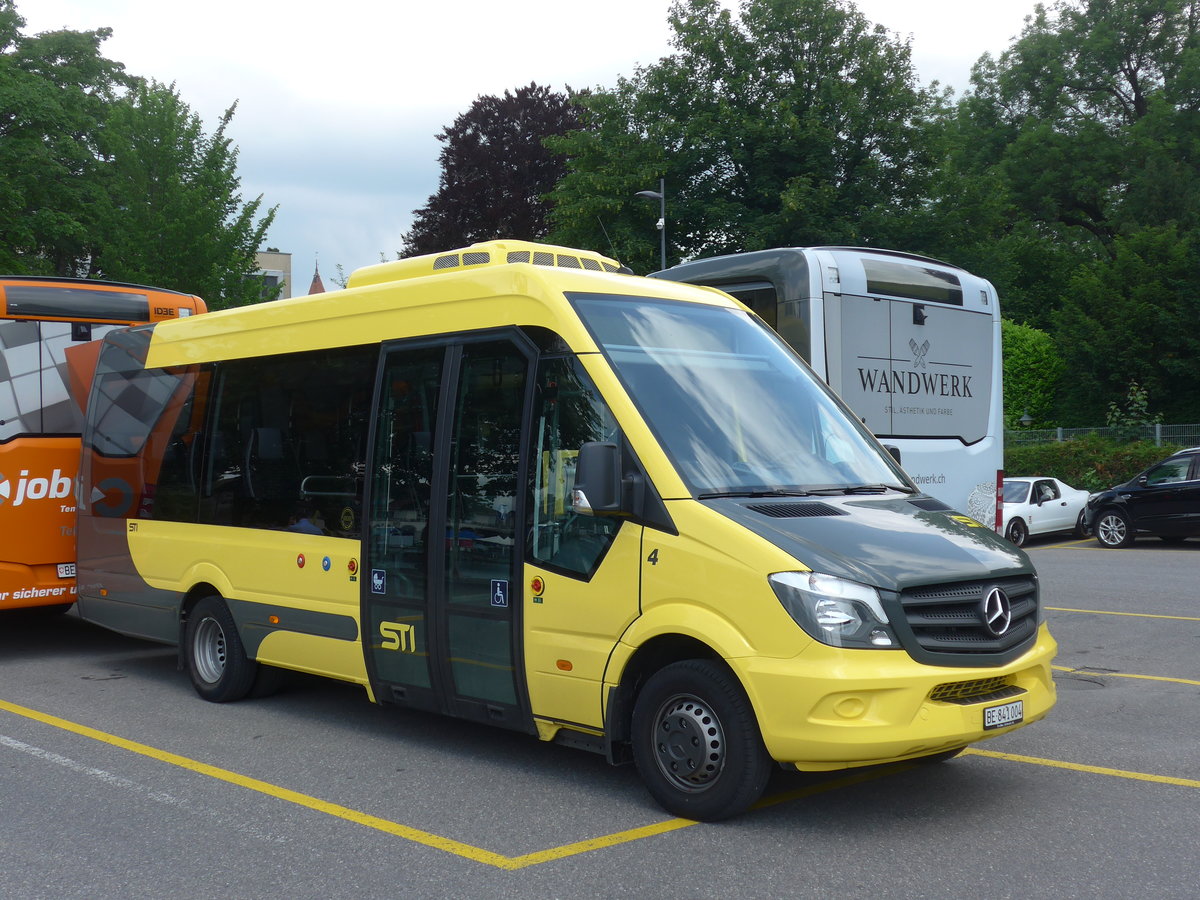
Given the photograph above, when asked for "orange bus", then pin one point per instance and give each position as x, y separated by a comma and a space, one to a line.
42, 393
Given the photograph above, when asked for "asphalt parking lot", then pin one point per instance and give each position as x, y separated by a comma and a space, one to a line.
117, 781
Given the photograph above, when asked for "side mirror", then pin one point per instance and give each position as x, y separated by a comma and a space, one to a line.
894, 451
597, 479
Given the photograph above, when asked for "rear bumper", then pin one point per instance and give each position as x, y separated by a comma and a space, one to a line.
24, 586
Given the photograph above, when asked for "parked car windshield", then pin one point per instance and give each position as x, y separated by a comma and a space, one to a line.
1016, 491
732, 405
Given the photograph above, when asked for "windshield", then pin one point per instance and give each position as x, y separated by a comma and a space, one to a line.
734, 408
1016, 491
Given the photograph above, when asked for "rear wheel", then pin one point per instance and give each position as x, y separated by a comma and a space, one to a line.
1017, 532
1113, 529
216, 659
696, 742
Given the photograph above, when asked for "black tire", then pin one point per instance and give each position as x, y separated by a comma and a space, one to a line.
1113, 529
696, 742
1081, 530
1017, 533
215, 656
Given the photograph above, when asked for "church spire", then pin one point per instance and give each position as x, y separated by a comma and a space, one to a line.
317, 286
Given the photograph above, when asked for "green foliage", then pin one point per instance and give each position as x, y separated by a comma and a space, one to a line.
1129, 419
1133, 316
54, 91
1032, 370
1072, 181
1089, 463
791, 122
174, 217
105, 175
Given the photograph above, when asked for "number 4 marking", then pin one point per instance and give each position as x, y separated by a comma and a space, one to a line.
653, 557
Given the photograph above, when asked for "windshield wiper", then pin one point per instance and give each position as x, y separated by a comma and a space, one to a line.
719, 495
864, 489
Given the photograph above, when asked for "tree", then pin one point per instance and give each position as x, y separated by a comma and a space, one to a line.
1072, 179
1032, 370
793, 122
173, 216
55, 89
1133, 317
495, 172
106, 175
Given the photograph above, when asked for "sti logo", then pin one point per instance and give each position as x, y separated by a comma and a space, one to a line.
56, 487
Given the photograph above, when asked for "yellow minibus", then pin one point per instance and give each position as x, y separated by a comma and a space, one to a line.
517, 485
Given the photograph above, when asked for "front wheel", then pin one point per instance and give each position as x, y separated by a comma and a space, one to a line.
1113, 529
1017, 532
1081, 530
216, 659
696, 742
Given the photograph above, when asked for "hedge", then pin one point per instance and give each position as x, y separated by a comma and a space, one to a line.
1089, 462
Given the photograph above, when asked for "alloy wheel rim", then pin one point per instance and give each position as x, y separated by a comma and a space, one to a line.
1111, 530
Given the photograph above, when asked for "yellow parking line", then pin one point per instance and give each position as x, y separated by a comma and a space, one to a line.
1083, 670
1106, 612
1078, 542
425, 838
498, 860
271, 790
1079, 767
623, 837
416, 835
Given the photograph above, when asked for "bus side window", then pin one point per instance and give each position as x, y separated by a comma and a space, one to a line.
288, 429
568, 411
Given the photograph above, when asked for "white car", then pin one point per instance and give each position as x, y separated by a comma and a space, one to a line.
1037, 505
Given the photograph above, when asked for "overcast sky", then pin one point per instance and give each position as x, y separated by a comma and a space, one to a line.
339, 102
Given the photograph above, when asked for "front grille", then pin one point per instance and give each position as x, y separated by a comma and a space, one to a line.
981, 690
951, 618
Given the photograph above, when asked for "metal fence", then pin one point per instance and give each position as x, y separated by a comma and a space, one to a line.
1184, 435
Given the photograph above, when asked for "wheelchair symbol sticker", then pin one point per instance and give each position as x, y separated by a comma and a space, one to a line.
499, 593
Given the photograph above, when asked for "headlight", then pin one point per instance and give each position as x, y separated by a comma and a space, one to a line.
835, 611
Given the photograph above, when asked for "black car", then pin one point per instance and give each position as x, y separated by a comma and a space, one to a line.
1164, 501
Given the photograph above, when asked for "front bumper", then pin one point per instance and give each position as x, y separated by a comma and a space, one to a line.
831, 708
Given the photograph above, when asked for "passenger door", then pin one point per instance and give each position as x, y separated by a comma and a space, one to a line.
442, 581
1159, 503
582, 570
1051, 514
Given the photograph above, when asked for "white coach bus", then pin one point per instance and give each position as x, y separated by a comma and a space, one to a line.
910, 343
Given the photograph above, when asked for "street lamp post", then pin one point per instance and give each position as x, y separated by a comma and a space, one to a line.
661, 196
